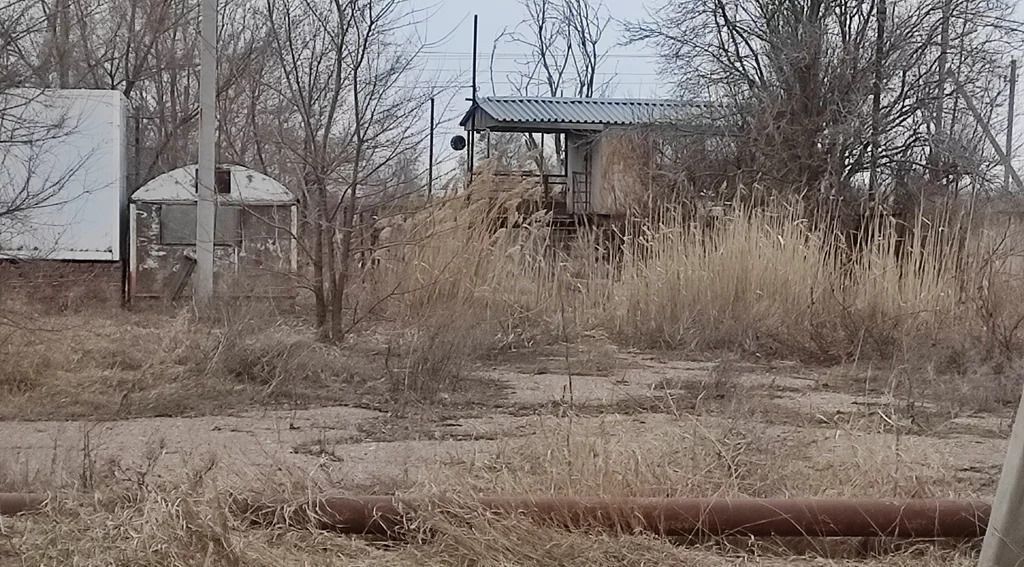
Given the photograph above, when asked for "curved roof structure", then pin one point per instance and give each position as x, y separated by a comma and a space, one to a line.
247, 187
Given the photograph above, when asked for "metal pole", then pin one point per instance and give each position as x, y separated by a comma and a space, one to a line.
1009, 125
472, 120
206, 205
430, 160
476, 21
1004, 539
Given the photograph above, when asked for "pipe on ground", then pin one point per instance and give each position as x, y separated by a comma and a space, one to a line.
681, 517
12, 504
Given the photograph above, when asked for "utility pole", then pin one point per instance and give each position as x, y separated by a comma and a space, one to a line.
206, 204
1009, 125
876, 101
430, 160
470, 146
935, 157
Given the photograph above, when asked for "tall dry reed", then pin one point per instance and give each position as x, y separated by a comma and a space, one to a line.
759, 280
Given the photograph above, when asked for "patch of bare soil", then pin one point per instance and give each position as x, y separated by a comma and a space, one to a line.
650, 427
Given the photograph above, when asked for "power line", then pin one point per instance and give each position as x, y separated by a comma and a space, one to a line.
469, 55
513, 71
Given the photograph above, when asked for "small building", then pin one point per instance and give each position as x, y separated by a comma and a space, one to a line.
607, 156
63, 196
255, 252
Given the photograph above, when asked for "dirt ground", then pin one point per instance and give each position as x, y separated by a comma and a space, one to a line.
652, 426
355, 448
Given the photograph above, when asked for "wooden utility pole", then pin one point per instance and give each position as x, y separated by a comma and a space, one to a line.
206, 204
1007, 165
1004, 538
935, 157
876, 101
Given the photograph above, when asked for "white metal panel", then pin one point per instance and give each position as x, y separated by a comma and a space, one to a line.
65, 150
247, 187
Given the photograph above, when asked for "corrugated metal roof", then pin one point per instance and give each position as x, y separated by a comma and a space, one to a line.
247, 186
613, 111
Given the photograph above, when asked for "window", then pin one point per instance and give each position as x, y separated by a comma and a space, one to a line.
178, 225
221, 181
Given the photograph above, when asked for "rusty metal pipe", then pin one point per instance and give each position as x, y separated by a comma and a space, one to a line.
680, 517
12, 504
683, 517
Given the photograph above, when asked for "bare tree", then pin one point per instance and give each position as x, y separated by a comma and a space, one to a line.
349, 83
564, 43
828, 91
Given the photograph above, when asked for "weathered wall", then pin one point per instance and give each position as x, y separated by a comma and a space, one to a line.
620, 164
61, 284
261, 266
576, 148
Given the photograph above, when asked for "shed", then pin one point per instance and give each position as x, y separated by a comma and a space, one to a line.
63, 204
593, 180
255, 253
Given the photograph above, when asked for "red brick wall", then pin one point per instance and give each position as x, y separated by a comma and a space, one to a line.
59, 284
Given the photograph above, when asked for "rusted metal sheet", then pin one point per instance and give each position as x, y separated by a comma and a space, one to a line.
385, 516
12, 504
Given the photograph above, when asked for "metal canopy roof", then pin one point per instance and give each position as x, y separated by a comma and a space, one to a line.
604, 111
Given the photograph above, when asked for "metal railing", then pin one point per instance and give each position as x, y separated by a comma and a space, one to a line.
580, 192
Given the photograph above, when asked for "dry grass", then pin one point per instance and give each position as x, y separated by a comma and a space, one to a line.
135, 521
475, 277
938, 297
110, 364
191, 528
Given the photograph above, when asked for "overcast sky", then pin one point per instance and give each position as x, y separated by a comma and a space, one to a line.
632, 68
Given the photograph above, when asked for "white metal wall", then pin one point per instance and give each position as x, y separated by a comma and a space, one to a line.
70, 144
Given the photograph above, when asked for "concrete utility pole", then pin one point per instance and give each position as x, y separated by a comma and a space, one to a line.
1004, 539
206, 204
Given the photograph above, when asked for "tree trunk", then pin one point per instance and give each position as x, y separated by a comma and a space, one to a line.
317, 214
344, 265
325, 239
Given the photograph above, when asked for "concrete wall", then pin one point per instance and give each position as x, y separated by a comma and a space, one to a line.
577, 146
260, 266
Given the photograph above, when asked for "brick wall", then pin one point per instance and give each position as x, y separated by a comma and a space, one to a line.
60, 284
